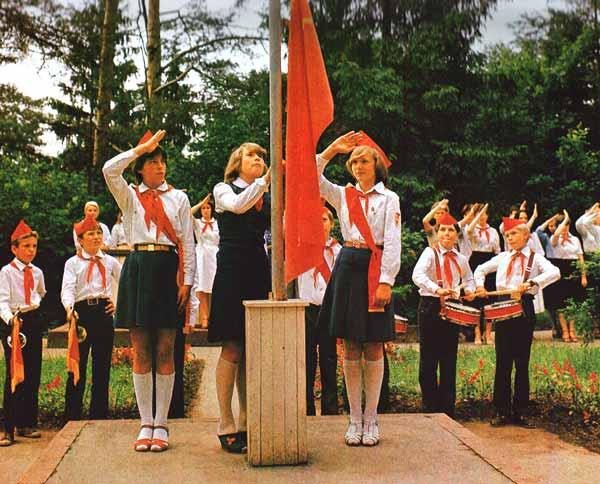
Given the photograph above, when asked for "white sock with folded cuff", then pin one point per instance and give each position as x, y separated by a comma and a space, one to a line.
353, 378
373, 381
142, 384
164, 393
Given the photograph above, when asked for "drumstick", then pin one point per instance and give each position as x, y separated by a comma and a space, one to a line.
513, 293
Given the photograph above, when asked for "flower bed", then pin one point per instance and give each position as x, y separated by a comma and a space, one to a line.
564, 387
121, 396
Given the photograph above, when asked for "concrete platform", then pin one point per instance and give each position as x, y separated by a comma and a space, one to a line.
414, 448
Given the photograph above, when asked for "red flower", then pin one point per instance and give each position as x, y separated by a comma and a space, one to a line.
481, 363
545, 370
55, 383
462, 373
474, 377
593, 377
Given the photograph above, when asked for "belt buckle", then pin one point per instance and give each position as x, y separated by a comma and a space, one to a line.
150, 247
355, 244
93, 301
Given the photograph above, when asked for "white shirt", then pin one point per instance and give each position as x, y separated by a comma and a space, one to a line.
117, 235
425, 277
479, 240
175, 203
12, 295
464, 244
206, 235
589, 231
383, 219
312, 290
543, 272
106, 238
227, 200
75, 286
569, 249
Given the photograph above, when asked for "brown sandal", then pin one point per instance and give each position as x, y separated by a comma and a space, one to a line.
143, 445
159, 445
7, 439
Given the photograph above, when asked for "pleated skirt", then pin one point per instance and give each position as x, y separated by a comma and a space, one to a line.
346, 302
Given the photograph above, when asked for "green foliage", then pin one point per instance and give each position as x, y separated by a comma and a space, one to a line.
121, 396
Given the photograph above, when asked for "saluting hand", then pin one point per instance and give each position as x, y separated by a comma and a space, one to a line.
344, 144
150, 145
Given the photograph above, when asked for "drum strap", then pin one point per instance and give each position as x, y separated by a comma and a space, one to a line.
438, 275
529, 266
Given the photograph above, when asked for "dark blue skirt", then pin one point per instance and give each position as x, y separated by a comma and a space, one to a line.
345, 308
147, 295
243, 273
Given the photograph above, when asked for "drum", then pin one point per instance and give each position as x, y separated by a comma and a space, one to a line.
460, 314
502, 311
401, 324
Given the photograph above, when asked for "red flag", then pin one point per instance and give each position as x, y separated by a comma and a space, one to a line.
309, 112
17, 366
73, 350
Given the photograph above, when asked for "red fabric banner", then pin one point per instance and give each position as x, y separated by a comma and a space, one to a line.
309, 112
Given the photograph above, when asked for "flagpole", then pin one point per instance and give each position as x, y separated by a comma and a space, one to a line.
276, 150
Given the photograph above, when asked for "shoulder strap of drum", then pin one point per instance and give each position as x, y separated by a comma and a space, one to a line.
529, 266
438, 267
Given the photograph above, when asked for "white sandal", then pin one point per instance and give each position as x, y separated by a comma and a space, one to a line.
370, 436
354, 433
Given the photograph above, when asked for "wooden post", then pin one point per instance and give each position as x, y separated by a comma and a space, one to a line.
276, 382
276, 149
275, 355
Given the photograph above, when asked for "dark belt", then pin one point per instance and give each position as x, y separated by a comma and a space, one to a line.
154, 248
356, 244
93, 301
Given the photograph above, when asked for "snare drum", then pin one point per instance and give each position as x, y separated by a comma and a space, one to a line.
460, 314
401, 324
502, 311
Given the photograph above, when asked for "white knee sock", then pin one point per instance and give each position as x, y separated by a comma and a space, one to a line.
142, 384
373, 380
164, 393
225, 374
240, 381
352, 375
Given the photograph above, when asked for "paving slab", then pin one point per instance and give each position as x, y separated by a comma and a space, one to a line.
414, 448
536, 456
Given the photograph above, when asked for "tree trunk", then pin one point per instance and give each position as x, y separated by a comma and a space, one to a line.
153, 70
105, 83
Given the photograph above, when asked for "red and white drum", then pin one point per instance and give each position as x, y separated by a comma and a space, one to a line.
502, 311
401, 324
460, 314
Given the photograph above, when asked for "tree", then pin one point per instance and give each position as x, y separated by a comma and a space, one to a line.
105, 82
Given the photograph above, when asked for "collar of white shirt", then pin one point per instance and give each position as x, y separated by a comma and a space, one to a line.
87, 256
443, 250
378, 187
20, 265
240, 182
207, 221
162, 188
526, 251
